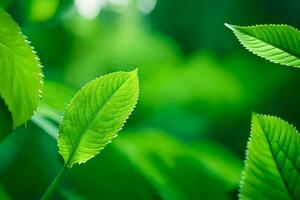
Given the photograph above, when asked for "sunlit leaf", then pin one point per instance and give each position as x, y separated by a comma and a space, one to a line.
20, 69
95, 115
272, 160
276, 43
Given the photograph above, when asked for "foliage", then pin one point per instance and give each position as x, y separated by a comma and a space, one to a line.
91, 120
277, 43
271, 160
271, 157
165, 163
21, 77
95, 115
187, 136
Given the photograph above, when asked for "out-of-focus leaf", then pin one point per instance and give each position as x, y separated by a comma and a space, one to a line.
45, 124
55, 100
201, 89
104, 46
42, 10
175, 170
20, 69
271, 160
69, 194
201, 78
95, 115
220, 161
57, 96
276, 43
49, 113
110, 172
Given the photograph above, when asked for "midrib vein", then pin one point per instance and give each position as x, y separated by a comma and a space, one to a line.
91, 121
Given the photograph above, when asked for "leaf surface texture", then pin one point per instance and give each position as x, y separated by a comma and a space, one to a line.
272, 160
20, 72
95, 115
276, 43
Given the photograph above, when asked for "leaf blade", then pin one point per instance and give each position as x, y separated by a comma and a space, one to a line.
20, 69
271, 165
106, 103
277, 43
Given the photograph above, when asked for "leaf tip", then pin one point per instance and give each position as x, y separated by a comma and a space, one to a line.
230, 26
254, 114
134, 73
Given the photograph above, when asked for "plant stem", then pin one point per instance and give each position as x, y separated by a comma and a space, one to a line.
54, 183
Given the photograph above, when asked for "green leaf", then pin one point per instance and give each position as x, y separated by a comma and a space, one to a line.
276, 43
272, 160
56, 95
20, 69
95, 115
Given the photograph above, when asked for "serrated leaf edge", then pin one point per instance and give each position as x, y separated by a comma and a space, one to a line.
100, 77
40, 90
236, 29
243, 174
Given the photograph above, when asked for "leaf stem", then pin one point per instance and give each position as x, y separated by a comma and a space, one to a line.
54, 183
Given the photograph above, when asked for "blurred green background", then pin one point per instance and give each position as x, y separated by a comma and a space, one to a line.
187, 137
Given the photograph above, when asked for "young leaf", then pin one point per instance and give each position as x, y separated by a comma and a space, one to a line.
95, 115
276, 43
20, 69
272, 165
